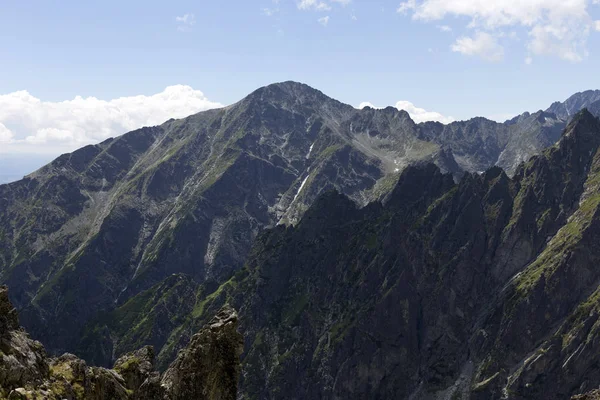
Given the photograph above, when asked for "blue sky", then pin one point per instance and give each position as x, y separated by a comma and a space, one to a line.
458, 58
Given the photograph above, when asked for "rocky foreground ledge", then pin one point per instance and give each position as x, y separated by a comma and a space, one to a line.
208, 368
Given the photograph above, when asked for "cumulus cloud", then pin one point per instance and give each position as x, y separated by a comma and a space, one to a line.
320, 5
555, 27
6, 136
324, 21
366, 104
28, 124
313, 5
482, 44
407, 6
416, 113
553, 40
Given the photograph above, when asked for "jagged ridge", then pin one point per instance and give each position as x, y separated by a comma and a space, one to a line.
83, 236
208, 368
485, 289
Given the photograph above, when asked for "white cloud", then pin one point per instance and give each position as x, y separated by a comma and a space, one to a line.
422, 115
366, 104
185, 22
556, 27
555, 40
444, 28
319, 5
407, 6
28, 124
313, 5
482, 44
324, 21
597, 25
528, 60
6, 136
416, 113
51, 135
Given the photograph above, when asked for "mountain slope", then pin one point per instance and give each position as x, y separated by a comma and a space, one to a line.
567, 109
85, 236
479, 143
482, 289
99, 225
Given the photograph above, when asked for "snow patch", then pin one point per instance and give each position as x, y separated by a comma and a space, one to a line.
310, 150
301, 186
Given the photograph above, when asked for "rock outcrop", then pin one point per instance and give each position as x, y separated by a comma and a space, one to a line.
593, 395
208, 368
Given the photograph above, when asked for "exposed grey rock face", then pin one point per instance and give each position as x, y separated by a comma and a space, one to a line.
594, 108
100, 246
485, 289
207, 369
593, 395
98, 226
136, 367
567, 109
479, 143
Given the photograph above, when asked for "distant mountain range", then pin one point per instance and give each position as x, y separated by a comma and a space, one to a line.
131, 241
14, 166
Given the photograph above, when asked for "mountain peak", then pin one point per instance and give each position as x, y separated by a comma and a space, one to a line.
567, 109
583, 114
290, 88
583, 118
291, 94
292, 85
583, 131
418, 185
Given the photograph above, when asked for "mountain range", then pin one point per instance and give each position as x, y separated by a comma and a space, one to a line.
411, 259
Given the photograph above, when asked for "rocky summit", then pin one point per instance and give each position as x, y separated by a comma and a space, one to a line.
369, 256
208, 368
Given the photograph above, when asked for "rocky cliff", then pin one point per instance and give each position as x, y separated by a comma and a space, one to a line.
575, 103
482, 289
122, 244
208, 368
